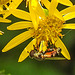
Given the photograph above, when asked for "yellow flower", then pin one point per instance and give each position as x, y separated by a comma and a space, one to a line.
43, 25
7, 5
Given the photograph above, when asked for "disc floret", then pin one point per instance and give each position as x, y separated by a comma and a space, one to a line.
49, 28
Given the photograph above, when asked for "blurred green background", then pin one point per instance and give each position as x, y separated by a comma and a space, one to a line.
9, 60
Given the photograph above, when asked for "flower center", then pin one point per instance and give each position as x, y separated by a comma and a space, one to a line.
49, 28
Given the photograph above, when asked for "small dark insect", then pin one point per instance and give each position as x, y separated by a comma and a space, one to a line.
51, 52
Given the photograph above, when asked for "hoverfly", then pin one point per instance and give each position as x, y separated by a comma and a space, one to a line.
51, 52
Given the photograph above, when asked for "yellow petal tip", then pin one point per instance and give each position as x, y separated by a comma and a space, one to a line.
8, 28
69, 58
3, 51
10, 21
19, 60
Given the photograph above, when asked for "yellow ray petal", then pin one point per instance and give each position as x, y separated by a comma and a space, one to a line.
46, 3
1, 33
34, 18
1, 11
64, 51
21, 14
68, 10
16, 3
42, 46
52, 40
25, 52
52, 7
4, 20
34, 4
66, 2
13, 5
18, 40
7, 13
69, 26
58, 15
69, 16
20, 25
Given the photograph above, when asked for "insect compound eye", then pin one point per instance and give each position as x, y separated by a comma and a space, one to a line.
32, 52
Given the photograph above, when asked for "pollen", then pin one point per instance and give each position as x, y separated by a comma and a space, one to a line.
49, 28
